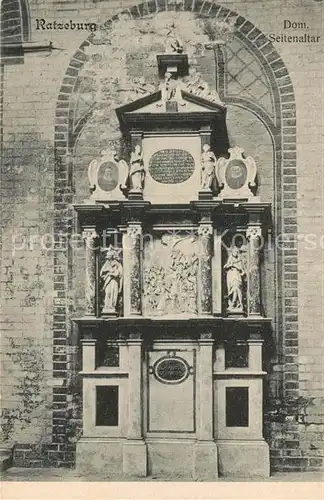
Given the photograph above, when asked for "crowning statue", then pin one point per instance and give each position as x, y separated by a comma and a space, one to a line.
235, 268
137, 171
111, 275
208, 162
173, 44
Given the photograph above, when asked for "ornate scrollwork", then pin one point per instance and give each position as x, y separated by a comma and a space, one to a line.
107, 176
236, 175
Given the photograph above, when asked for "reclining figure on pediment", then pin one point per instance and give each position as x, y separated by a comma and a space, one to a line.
199, 87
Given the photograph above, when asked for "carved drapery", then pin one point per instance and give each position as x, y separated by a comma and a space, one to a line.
134, 235
253, 235
90, 238
205, 233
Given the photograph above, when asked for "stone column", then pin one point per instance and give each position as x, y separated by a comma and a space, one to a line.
253, 235
134, 235
206, 465
134, 450
205, 232
90, 237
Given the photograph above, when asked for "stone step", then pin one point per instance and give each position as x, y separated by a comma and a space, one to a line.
5, 458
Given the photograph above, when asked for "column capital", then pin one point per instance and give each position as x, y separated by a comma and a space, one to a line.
134, 229
255, 341
90, 233
205, 229
134, 342
88, 341
253, 231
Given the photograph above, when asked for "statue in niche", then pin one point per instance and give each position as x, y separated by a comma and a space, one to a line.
208, 162
137, 171
111, 275
173, 44
235, 273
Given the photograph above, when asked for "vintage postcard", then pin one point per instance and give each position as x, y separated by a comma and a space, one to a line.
162, 247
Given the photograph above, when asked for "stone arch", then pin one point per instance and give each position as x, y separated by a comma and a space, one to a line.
15, 28
282, 128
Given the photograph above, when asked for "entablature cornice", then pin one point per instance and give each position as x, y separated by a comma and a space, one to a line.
215, 328
118, 213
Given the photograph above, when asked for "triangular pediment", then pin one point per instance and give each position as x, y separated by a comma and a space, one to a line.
184, 103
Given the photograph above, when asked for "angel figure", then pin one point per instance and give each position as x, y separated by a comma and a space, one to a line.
235, 272
208, 162
111, 275
137, 171
173, 44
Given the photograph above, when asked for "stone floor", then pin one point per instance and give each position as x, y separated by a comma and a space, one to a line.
51, 474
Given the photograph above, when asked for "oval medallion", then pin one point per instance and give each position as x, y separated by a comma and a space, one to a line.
171, 370
108, 176
171, 166
236, 174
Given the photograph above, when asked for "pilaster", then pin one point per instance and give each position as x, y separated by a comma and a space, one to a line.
253, 235
90, 238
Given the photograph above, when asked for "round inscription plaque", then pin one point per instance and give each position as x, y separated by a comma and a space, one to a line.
171, 370
108, 176
236, 174
171, 166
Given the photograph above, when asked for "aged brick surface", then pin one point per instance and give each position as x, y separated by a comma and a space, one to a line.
41, 290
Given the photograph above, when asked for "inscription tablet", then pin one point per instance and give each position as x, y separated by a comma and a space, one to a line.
171, 166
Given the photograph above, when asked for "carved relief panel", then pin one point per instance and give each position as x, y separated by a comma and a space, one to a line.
171, 284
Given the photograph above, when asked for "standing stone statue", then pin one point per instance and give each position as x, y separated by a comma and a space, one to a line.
137, 171
173, 44
234, 279
111, 275
208, 162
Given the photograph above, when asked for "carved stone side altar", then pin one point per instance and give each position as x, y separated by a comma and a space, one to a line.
172, 384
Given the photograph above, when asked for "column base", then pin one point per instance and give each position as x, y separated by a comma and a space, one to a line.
135, 195
99, 455
206, 461
205, 194
135, 458
109, 313
243, 458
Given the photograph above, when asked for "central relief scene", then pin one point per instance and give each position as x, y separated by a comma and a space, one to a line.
171, 263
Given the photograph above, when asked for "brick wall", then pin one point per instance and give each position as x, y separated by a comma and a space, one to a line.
40, 288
